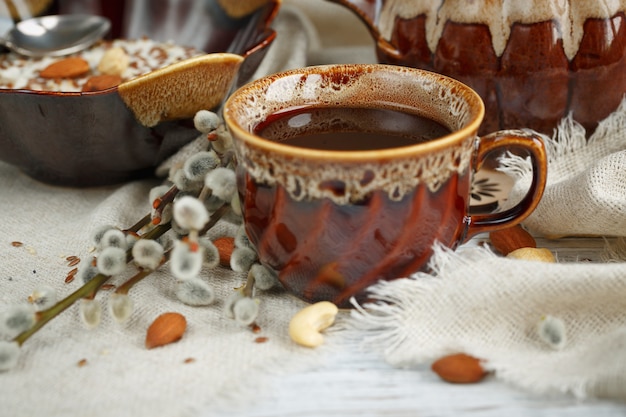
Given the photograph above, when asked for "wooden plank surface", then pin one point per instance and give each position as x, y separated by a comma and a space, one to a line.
357, 383
361, 384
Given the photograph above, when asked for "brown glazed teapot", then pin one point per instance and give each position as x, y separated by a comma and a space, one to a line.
532, 61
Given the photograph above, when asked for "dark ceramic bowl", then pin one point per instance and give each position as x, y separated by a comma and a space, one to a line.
124, 132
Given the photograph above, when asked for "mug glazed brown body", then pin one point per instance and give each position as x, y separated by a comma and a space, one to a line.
333, 222
532, 61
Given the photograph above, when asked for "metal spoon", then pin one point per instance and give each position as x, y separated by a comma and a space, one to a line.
55, 35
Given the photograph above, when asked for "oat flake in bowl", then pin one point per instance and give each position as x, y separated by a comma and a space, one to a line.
142, 56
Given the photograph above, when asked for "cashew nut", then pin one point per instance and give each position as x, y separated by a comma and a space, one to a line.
114, 62
532, 254
306, 325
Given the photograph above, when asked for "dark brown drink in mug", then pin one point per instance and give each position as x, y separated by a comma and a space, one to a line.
335, 218
349, 128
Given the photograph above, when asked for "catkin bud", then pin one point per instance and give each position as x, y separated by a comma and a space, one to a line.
212, 203
222, 182
96, 236
121, 307
224, 141
111, 261
246, 310
211, 253
87, 272
113, 238
166, 240
148, 254
183, 183
200, 164
43, 298
190, 213
241, 239
9, 354
178, 229
552, 331
242, 259
157, 192
16, 319
184, 263
195, 292
131, 239
230, 301
264, 278
206, 121
90, 312
164, 213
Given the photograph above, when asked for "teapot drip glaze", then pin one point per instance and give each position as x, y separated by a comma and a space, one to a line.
499, 16
533, 62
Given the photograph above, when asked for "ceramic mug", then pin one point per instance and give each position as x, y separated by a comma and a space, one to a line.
333, 220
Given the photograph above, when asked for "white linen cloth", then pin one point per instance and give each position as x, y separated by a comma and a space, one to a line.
226, 367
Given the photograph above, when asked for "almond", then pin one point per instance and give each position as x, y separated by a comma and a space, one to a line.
101, 82
165, 329
225, 246
66, 68
510, 239
459, 368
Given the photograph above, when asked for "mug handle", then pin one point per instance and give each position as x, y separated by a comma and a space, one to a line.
520, 139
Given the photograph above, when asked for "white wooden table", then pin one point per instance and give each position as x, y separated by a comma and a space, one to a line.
361, 384
358, 383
